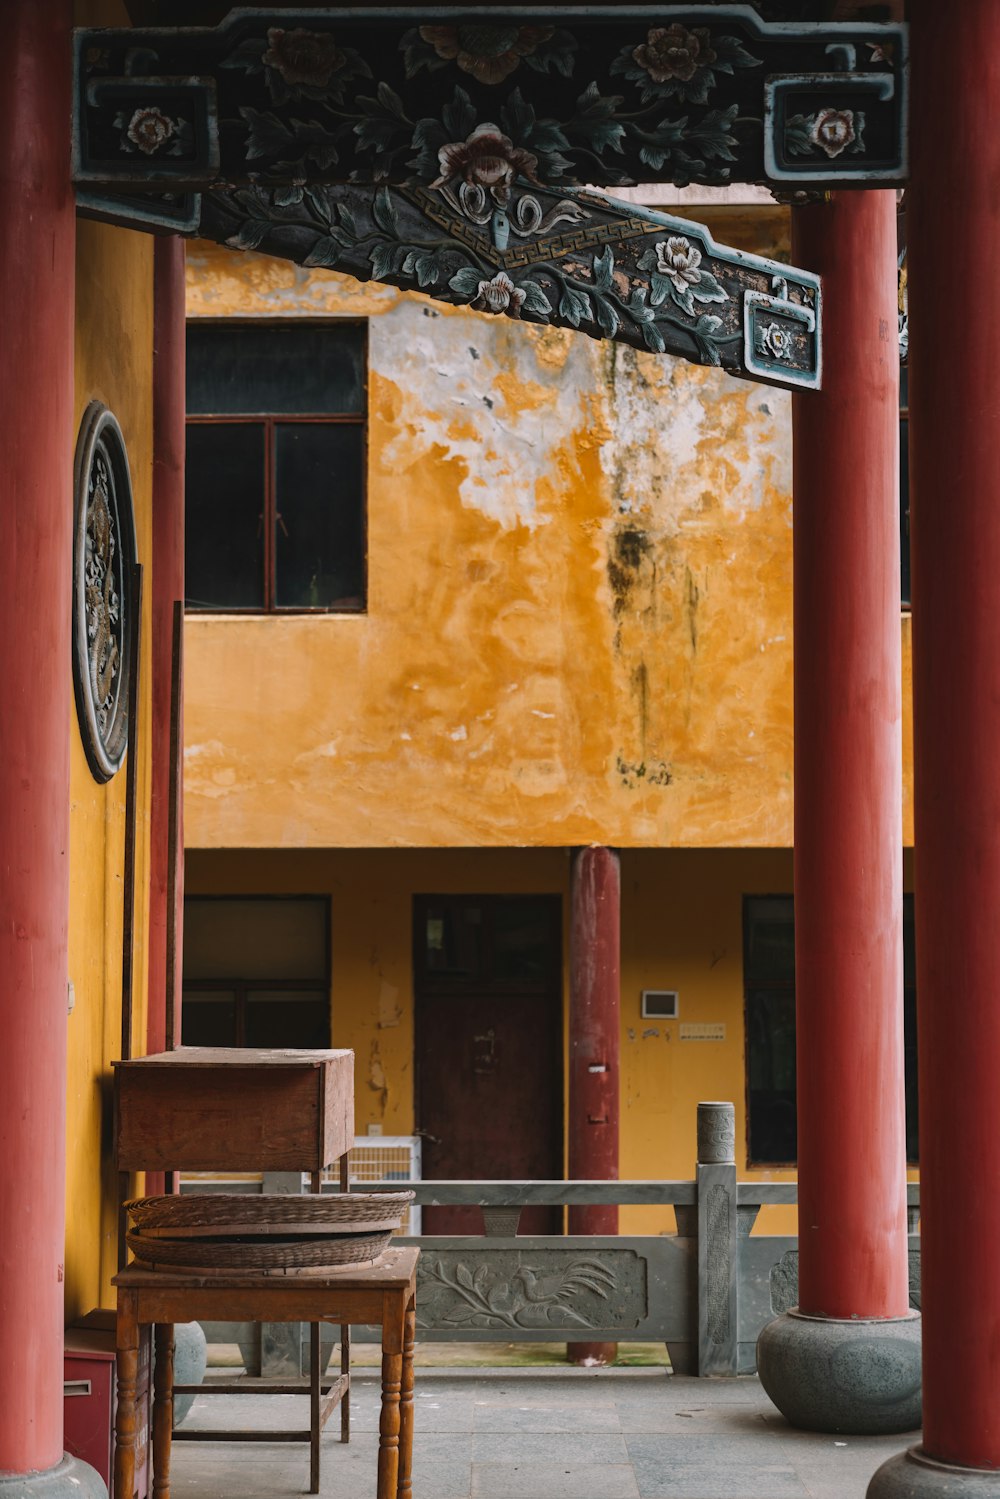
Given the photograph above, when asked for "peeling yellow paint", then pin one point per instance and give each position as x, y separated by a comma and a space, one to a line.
579, 621
113, 364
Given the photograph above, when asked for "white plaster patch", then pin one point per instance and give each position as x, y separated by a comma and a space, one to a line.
769, 447
328, 751
195, 752
656, 433
505, 452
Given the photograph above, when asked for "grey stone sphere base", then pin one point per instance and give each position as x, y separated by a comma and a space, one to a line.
861, 1377
914, 1475
190, 1362
70, 1479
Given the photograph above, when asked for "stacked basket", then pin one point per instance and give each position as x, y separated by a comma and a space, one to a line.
225, 1233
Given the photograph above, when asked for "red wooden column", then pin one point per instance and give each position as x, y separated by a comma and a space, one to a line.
36, 518
825, 1364
594, 1044
955, 511
168, 586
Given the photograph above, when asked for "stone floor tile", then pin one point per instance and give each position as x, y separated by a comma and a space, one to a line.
551, 1416
552, 1481
600, 1450
732, 1481
720, 1450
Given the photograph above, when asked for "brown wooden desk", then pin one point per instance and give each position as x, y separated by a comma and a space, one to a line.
383, 1294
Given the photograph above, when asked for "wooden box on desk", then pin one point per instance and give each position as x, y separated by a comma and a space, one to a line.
213, 1108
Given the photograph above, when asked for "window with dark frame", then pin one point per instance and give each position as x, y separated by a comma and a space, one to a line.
769, 993
256, 971
276, 464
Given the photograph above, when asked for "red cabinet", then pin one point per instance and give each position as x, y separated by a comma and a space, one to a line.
89, 1397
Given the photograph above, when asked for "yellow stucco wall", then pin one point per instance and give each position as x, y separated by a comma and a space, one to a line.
681, 928
114, 343
579, 617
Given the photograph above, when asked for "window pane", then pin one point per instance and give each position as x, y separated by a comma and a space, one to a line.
208, 1018
224, 509
319, 530
771, 1075
453, 939
770, 940
274, 369
255, 939
525, 945
287, 1018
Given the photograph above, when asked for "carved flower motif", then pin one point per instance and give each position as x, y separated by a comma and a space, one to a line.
304, 59
675, 52
679, 259
775, 340
489, 159
833, 131
499, 295
489, 53
149, 129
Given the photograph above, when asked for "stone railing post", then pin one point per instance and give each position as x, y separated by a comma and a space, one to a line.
718, 1330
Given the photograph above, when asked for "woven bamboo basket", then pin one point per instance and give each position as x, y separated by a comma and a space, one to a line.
216, 1256
267, 1214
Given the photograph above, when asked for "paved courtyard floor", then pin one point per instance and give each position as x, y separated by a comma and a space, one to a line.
541, 1434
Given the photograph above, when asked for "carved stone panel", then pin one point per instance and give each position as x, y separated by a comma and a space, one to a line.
103, 553
785, 1282
476, 1289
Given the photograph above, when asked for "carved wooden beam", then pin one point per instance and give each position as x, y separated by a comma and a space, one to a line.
572, 260
604, 94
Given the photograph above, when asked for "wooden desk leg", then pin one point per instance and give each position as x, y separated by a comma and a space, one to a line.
315, 1386
404, 1488
163, 1409
127, 1418
392, 1371
345, 1370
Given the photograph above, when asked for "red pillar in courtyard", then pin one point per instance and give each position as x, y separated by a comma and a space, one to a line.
955, 511
847, 1358
36, 517
166, 883
594, 1044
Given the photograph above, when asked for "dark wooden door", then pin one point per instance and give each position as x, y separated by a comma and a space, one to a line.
489, 1047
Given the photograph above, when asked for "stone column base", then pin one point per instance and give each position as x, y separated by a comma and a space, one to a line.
914, 1475
860, 1376
70, 1479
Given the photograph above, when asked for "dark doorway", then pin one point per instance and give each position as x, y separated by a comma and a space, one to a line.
489, 1054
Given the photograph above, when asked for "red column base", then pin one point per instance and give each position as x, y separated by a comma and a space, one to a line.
915, 1475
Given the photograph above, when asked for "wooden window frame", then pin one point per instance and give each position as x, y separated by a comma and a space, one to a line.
271, 515
241, 989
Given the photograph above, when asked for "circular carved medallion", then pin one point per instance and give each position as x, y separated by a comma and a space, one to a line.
103, 554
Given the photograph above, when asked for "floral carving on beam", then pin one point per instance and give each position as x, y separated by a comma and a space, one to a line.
506, 247
598, 95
